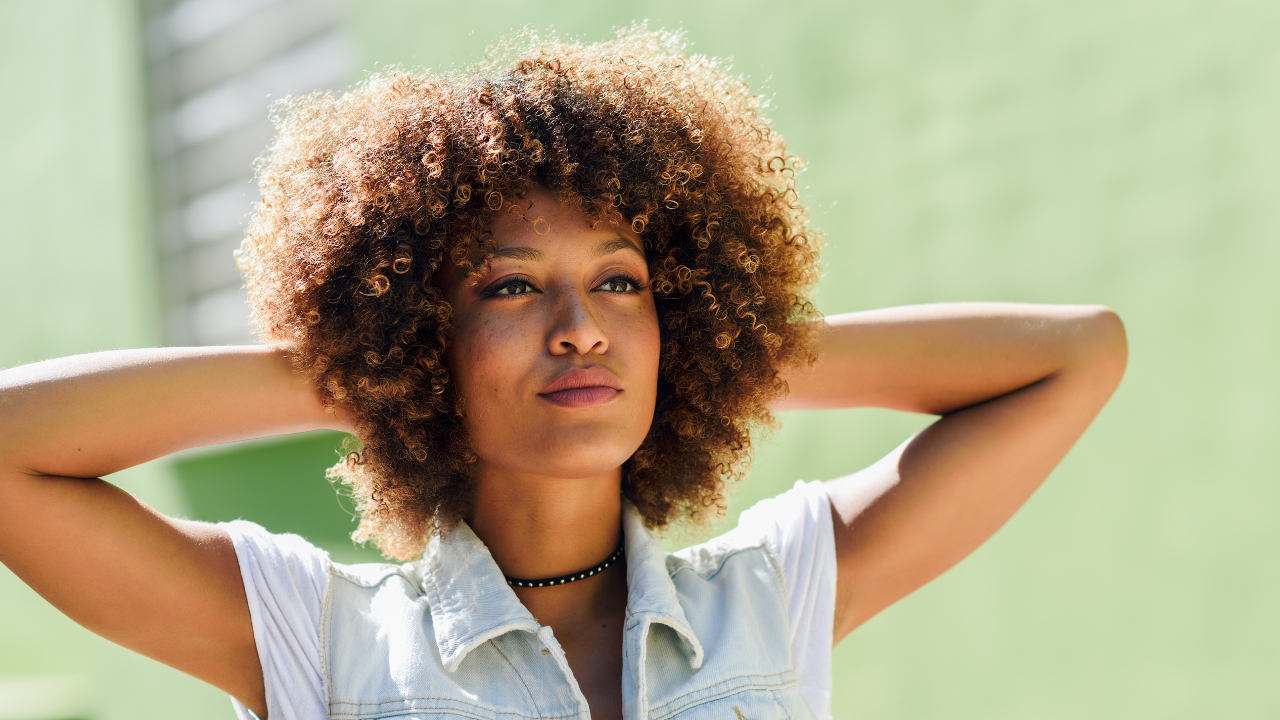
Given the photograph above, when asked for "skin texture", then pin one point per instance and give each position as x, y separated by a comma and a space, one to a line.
558, 295
1015, 386
167, 588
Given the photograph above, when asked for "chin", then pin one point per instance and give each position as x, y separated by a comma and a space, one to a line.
579, 461
550, 446
570, 453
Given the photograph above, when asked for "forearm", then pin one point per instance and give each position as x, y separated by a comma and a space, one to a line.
939, 358
91, 415
1017, 385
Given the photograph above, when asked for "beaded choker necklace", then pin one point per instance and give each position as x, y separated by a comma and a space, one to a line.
561, 580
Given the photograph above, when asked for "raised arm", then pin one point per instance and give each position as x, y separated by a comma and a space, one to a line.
1015, 385
167, 588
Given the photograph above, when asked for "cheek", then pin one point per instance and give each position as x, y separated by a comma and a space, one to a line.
645, 340
481, 385
486, 357
651, 332
653, 348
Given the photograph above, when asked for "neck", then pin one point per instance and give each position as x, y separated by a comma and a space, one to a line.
538, 527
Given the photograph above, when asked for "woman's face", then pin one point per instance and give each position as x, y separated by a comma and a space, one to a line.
555, 345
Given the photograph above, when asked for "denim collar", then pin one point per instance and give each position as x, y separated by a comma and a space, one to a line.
471, 602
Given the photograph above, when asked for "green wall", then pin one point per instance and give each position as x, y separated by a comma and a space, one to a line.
1119, 151
1122, 152
280, 484
76, 275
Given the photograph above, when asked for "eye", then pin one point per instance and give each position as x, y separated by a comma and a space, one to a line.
620, 284
510, 286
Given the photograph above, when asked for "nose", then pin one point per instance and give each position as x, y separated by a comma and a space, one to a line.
574, 326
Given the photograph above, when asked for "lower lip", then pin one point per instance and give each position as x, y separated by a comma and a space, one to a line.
582, 397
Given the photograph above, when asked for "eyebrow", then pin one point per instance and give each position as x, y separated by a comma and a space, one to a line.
608, 247
612, 246
527, 254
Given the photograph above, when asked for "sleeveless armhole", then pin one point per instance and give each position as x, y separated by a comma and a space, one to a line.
796, 528
285, 580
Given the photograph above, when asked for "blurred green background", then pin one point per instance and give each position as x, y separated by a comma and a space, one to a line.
1124, 152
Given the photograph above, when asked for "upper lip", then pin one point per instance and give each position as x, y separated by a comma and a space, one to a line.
575, 378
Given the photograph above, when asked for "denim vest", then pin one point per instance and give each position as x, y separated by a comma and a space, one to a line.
706, 636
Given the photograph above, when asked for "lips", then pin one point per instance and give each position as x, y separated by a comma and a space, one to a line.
582, 388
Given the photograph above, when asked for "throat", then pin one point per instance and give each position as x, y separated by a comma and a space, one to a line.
575, 576
542, 528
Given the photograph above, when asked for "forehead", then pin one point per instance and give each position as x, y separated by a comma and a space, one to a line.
540, 218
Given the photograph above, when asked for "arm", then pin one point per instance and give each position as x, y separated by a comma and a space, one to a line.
167, 588
1015, 385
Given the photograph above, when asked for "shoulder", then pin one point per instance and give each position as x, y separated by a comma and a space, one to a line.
707, 559
369, 576
785, 542
804, 505
777, 526
275, 556
291, 554
285, 580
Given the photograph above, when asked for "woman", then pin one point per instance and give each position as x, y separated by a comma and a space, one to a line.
551, 302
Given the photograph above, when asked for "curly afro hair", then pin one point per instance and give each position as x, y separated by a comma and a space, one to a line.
366, 195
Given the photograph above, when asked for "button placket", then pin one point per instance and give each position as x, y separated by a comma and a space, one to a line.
551, 646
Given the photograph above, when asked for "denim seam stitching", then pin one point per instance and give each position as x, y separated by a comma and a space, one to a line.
721, 564
660, 713
781, 580
519, 677
480, 709
392, 572
326, 626
782, 704
780, 584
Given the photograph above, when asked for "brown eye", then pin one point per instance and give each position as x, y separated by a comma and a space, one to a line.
619, 284
511, 286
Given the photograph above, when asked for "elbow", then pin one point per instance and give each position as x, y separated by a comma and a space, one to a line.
1104, 343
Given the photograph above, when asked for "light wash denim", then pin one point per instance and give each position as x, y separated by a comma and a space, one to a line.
706, 637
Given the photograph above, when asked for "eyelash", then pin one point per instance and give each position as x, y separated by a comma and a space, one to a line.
633, 282
496, 289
